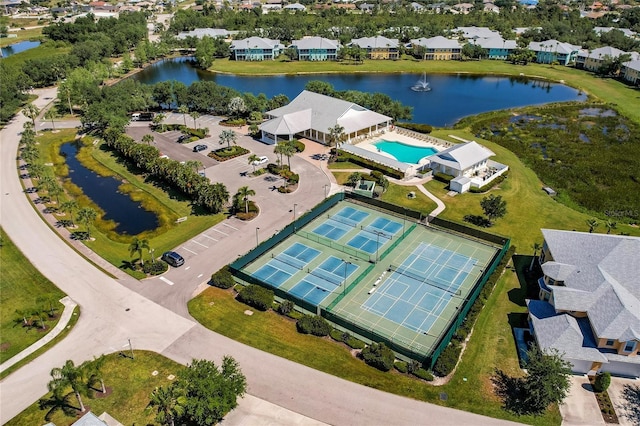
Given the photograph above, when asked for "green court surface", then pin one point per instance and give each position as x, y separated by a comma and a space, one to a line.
381, 276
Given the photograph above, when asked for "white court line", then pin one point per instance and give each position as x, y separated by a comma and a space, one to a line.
187, 268
200, 276
221, 232
190, 251
211, 238
166, 280
200, 244
230, 226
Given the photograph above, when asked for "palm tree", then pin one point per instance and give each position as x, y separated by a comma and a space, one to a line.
288, 150
157, 120
535, 247
279, 151
69, 206
137, 246
148, 139
593, 224
31, 111
228, 137
195, 115
87, 215
244, 193
93, 370
51, 114
169, 403
69, 376
336, 134
609, 224
354, 178
184, 110
252, 159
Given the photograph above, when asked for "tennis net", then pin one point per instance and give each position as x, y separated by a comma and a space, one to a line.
344, 220
424, 280
284, 258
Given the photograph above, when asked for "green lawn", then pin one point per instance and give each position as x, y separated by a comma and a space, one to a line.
22, 288
131, 381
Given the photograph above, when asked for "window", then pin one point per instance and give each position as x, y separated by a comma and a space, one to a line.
630, 346
610, 342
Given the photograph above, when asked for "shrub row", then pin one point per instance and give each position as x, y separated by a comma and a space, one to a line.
223, 278
355, 159
443, 177
346, 338
256, 296
379, 356
448, 359
313, 324
497, 181
154, 268
417, 127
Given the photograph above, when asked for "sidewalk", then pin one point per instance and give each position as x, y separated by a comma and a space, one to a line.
69, 306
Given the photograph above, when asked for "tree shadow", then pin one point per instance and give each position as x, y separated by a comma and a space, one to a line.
528, 280
510, 391
631, 410
58, 402
128, 265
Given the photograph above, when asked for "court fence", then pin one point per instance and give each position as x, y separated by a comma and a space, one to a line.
379, 204
328, 242
457, 227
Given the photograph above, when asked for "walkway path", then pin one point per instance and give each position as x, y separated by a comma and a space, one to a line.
69, 306
112, 313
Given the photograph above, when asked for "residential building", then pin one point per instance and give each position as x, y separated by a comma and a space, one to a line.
310, 115
378, 47
439, 48
592, 59
474, 33
550, 51
255, 49
463, 8
316, 49
295, 7
497, 47
208, 32
589, 307
490, 7
630, 71
469, 164
626, 31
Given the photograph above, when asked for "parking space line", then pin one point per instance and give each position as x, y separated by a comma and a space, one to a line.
221, 232
166, 280
211, 238
190, 251
230, 226
200, 244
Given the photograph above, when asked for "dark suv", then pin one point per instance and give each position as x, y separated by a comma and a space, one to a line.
173, 258
199, 148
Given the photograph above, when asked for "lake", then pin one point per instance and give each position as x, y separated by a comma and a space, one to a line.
452, 96
129, 215
19, 47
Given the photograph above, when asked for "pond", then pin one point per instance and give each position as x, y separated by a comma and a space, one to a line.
452, 96
19, 47
129, 215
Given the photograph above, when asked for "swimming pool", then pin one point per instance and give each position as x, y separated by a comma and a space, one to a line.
403, 152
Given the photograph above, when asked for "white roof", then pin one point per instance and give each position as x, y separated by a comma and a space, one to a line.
255, 42
553, 46
477, 32
315, 43
375, 42
462, 156
295, 6
311, 110
202, 32
437, 42
601, 52
496, 43
633, 65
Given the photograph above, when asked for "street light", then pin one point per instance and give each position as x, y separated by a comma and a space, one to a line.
257, 240
325, 190
344, 281
377, 244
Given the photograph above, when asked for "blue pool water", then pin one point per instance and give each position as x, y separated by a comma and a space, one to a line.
403, 152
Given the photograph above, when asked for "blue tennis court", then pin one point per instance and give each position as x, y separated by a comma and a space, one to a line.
416, 292
286, 264
384, 225
323, 280
367, 241
332, 229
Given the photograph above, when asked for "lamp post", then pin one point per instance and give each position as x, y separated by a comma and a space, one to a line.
344, 281
257, 240
294, 217
325, 190
404, 220
377, 245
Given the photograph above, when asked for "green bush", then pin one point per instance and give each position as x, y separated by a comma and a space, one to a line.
256, 296
602, 382
227, 153
401, 366
154, 268
315, 325
443, 177
423, 374
223, 278
345, 156
379, 356
237, 122
448, 359
355, 343
295, 315
336, 335
497, 181
298, 145
286, 307
294, 179
417, 127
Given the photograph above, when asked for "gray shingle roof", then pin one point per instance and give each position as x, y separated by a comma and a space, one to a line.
437, 42
255, 42
315, 43
375, 42
607, 271
554, 46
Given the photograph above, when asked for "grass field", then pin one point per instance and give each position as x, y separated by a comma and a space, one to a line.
22, 288
131, 381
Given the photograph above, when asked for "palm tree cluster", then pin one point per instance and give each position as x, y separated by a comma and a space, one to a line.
184, 177
286, 149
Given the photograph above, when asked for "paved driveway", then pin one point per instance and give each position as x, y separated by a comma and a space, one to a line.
625, 396
581, 407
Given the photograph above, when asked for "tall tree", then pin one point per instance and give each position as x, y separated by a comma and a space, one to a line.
205, 51
69, 376
148, 139
69, 206
253, 159
244, 192
87, 215
228, 137
31, 112
184, 110
547, 380
136, 246
336, 134
195, 115
169, 403
493, 207
592, 224
536, 246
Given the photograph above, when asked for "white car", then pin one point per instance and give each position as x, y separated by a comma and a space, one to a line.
262, 160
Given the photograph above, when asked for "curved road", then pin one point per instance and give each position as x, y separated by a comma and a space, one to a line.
113, 313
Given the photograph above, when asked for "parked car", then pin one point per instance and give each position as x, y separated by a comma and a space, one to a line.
173, 258
199, 148
262, 160
183, 138
142, 116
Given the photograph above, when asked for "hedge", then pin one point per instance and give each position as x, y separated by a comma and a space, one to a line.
345, 156
443, 177
448, 359
401, 366
379, 356
154, 268
416, 127
256, 296
497, 181
423, 374
223, 278
315, 325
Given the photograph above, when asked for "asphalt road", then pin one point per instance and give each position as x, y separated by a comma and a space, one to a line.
112, 313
